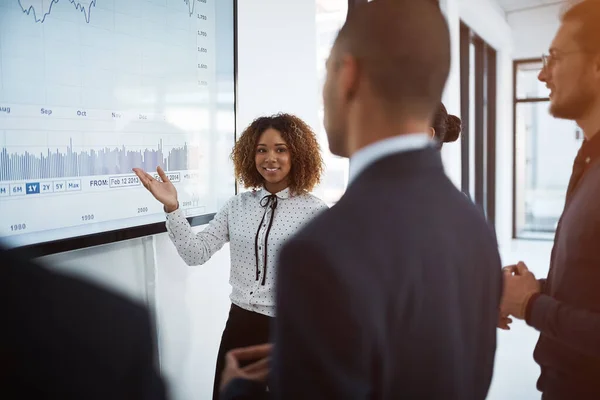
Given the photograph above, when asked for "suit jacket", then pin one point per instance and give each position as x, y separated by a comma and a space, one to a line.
392, 293
243, 389
62, 338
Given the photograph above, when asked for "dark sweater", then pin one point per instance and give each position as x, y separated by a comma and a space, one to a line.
567, 312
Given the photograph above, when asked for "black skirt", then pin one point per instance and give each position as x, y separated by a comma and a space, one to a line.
243, 328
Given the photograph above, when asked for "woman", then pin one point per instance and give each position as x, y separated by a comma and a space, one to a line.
279, 158
446, 127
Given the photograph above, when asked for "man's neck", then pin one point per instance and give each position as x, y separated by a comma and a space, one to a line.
590, 124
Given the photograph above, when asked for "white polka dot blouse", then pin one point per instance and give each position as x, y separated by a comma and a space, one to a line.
256, 224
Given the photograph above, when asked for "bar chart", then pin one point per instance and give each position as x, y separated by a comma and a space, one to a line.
57, 164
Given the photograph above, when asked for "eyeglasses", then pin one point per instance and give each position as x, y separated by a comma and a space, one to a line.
548, 60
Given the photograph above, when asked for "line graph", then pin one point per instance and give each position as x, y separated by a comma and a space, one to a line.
192, 5
42, 8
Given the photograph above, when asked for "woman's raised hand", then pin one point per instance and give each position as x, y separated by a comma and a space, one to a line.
164, 191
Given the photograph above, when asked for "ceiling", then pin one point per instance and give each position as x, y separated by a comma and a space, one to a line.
521, 5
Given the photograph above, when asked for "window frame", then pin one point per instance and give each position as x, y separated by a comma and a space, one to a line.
516, 102
482, 129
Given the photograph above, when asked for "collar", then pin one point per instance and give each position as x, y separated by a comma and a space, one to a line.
590, 149
397, 144
283, 194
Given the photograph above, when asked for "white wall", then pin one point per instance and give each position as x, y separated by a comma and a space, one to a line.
533, 30
276, 59
451, 153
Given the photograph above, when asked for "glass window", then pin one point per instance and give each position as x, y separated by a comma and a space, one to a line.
529, 87
331, 15
545, 148
471, 151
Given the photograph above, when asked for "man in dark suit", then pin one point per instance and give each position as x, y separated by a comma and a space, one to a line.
62, 338
394, 292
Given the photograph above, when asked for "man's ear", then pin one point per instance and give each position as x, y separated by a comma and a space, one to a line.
348, 77
597, 64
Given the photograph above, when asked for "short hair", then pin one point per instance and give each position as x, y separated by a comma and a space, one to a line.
305, 153
587, 12
403, 46
447, 126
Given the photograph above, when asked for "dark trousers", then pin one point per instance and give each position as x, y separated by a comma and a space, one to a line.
243, 328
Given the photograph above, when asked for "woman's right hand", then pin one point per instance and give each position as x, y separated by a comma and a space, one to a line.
164, 191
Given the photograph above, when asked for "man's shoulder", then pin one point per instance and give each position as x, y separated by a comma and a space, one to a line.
321, 222
54, 316
57, 299
329, 225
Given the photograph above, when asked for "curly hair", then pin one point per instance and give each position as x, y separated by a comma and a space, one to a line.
306, 160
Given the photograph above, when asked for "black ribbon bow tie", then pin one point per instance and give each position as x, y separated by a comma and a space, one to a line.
265, 202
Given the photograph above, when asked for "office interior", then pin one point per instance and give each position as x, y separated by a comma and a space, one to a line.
513, 159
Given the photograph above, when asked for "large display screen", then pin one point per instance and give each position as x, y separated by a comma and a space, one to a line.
91, 89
